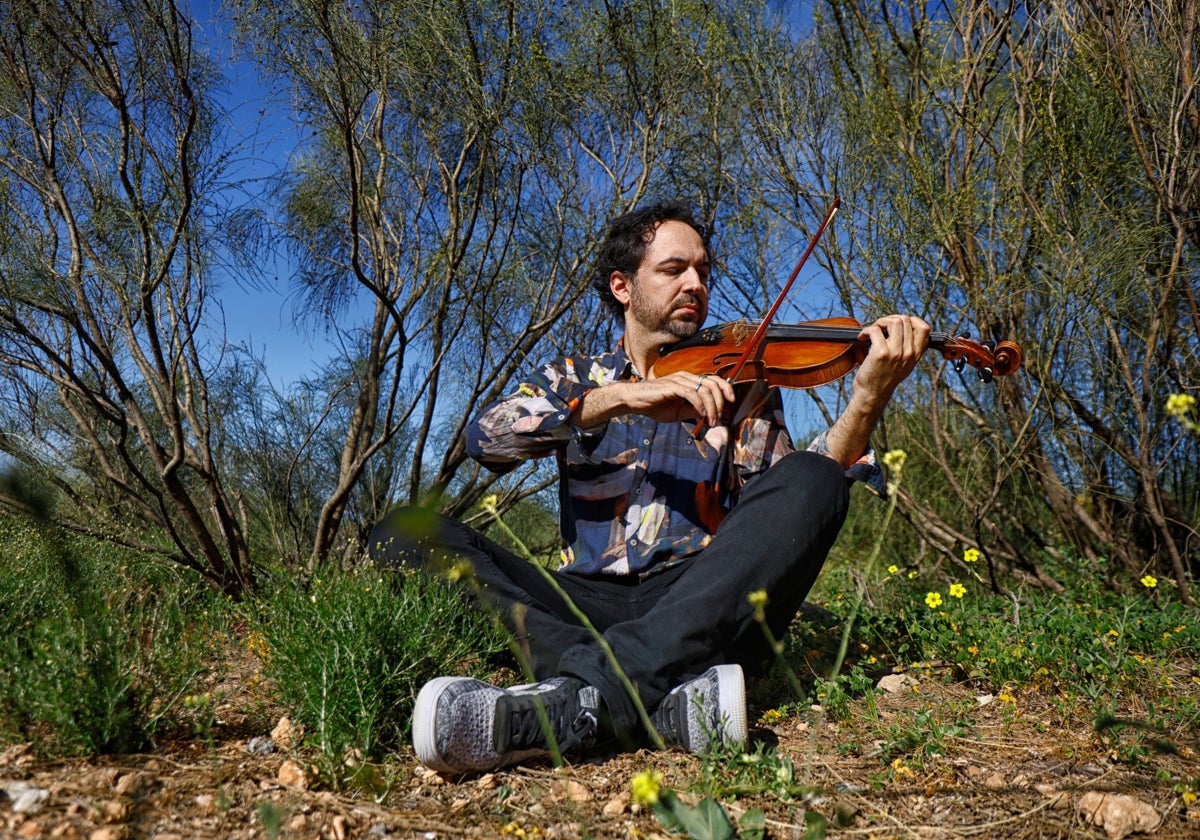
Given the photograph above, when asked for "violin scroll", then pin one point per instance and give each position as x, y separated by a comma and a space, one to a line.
990, 359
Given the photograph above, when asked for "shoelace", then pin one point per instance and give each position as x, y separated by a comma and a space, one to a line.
525, 730
669, 719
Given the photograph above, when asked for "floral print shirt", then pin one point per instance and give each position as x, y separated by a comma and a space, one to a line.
636, 496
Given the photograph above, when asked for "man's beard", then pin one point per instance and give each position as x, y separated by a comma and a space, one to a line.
662, 322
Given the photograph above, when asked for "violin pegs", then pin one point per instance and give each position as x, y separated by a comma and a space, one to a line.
990, 346
985, 375
959, 364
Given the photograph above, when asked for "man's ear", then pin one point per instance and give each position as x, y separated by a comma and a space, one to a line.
619, 283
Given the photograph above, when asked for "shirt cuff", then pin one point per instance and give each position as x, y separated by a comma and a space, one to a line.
542, 416
866, 469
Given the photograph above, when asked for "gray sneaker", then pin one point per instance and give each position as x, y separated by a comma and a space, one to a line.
461, 725
711, 709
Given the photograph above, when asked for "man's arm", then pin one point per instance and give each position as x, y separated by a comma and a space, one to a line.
532, 422
561, 401
679, 396
896, 345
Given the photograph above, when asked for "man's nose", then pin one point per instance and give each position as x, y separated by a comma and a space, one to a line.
694, 281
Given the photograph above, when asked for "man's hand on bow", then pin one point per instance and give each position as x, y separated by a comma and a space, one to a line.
675, 397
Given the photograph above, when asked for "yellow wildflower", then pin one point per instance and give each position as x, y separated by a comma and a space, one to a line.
490, 502
958, 590
1149, 581
970, 555
462, 570
758, 598
892, 569
771, 717
1189, 798
257, 644
933, 600
894, 459
646, 786
1180, 404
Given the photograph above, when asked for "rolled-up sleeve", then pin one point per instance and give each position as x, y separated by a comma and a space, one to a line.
866, 469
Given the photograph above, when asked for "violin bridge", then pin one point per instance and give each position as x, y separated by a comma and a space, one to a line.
740, 331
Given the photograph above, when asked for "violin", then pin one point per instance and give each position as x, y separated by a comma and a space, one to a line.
812, 353
809, 354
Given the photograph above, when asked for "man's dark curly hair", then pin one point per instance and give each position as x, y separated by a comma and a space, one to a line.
625, 245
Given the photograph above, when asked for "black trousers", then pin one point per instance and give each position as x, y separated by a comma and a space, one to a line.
669, 626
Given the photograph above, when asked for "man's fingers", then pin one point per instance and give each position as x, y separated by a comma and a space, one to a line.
707, 395
902, 336
683, 395
704, 398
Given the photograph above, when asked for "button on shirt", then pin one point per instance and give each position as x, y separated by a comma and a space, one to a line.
635, 495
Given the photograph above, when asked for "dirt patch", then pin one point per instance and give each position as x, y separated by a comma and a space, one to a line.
937, 758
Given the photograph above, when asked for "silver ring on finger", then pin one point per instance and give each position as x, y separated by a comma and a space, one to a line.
700, 381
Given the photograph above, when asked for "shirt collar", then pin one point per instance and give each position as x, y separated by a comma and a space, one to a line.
622, 365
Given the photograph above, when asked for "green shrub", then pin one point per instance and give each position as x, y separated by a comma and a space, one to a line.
349, 651
97, 644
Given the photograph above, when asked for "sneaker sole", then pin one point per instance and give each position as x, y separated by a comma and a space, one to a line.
424, 723
731, 693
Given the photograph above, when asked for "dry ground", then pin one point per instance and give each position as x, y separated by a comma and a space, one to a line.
1006, 767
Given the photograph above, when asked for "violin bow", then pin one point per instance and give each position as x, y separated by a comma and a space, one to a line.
756, 339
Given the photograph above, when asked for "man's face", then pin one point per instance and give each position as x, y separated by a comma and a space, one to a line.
668, 296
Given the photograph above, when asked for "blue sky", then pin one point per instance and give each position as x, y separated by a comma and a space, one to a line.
260, 316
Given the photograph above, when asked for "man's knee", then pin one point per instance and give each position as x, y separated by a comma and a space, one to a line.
814, 468
809, 481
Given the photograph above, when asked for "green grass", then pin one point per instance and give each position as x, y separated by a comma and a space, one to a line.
1089, 642
105, 651
348, 652
98, 646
